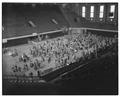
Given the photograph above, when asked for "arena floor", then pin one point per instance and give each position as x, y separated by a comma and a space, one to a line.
9, 61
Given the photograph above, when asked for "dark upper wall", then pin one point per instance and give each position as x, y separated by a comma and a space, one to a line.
77, 8
16, 17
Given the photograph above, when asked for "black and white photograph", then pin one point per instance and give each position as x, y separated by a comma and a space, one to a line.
59, 48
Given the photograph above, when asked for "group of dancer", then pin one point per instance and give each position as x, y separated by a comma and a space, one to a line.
62, 51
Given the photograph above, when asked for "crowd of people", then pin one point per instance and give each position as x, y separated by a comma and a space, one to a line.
62, 51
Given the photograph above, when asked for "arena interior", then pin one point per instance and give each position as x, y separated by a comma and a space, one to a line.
60, 48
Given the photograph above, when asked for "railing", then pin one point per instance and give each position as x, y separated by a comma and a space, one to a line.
44, 33
24, 39
27, 36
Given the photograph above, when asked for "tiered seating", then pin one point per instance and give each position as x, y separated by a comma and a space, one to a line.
20, 19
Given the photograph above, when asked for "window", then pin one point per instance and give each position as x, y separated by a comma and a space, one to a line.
101, 11
112, 11
112, 8
83, 11
92, 11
